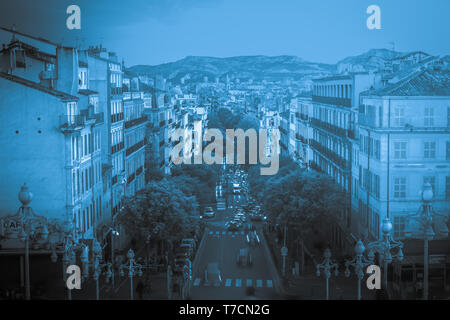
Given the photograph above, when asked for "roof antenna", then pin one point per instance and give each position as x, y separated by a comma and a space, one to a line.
13, 33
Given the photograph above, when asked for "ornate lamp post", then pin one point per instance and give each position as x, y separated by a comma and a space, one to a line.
71, 246
384, 247
133, 268
327, 266
427, 221
359, 262
98, 268
32, 228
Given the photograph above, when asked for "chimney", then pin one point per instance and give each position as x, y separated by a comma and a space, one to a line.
67, 70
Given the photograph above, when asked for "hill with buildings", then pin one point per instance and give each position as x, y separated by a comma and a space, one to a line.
195, 68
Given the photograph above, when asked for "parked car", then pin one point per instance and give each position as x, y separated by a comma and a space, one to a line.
209, 212
213, 276
190, 241
184, 251
244, 258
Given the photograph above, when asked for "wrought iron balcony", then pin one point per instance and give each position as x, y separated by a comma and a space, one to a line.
135, 147
72, 122
329, 127
117, 117
134, 122
331, 155
333, 100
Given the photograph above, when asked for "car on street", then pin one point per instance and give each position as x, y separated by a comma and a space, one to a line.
213, 276
189, 241
209, 212
232, 226
244, 258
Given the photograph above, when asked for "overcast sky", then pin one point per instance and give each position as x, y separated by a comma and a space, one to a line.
159, 31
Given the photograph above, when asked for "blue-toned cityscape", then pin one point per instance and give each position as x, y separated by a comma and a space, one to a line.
328, 180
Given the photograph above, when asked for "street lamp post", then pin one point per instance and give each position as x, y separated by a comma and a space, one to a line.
358, 263
33, 228
327, 266
426, 219
98, 268
384, 248
133, 268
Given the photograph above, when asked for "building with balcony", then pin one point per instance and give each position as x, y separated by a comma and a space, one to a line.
303, 131
106, 76
160, 113
135, 131
404, 137
335, 100
51, 137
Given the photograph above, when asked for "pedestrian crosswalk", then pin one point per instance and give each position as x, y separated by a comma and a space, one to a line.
221, 205
238, 283
224, 233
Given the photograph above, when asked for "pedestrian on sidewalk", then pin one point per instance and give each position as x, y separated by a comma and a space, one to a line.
140, 290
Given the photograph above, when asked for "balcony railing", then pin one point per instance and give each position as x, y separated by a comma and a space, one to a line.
301, 138
333, 100
116, 90
130, 178
135, 122
117, 117
337, 159
135, 147
117, 147
283, 131
67, 122
329, 127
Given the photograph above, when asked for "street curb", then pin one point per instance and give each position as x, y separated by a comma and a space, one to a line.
277, 279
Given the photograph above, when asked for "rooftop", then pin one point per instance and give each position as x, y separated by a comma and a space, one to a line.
37, 86
420, 83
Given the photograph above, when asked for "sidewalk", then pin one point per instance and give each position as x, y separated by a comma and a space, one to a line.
311, 287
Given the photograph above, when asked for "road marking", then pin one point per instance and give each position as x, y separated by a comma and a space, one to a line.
196, 282
269, 283
238, 282
248, 283
228, 282
259, 283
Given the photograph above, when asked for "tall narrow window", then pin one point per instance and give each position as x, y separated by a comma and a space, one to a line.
399, 117
429, 150
429, 117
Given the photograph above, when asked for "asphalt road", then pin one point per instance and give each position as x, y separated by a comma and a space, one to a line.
222, 246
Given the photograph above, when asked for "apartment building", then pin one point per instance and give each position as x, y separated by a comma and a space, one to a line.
106, 78
52, 132
135, 130
303, 131
335, 100
160, 115
404, 134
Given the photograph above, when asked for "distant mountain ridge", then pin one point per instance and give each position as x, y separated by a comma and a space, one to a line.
261, 67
